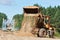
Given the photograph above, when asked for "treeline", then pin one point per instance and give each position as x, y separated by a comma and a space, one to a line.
18, 19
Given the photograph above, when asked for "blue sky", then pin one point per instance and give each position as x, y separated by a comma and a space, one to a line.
13, 7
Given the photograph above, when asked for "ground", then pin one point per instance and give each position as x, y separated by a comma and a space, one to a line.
11, 36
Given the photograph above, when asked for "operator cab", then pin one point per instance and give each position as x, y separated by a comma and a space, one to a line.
47, 19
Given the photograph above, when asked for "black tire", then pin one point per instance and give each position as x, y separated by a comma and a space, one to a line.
51, 33
42, 32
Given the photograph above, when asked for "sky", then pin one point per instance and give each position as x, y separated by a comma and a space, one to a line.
13, 7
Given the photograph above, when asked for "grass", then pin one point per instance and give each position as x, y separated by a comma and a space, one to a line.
57, 34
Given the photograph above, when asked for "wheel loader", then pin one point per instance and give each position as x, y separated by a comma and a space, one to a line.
36, 23
45, 28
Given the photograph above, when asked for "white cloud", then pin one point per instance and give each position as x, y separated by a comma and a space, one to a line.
6, 2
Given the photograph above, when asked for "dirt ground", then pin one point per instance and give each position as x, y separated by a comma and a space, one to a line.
12, 36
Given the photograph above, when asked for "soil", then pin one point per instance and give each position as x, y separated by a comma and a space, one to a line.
4, 35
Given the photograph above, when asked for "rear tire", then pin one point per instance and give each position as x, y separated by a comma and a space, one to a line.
51, 34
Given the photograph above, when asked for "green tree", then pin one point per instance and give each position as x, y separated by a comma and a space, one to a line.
36, 5
2, 15
18, 19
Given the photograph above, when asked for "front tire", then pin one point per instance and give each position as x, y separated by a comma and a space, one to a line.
42, 32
